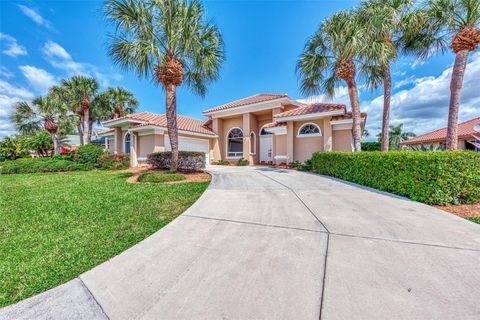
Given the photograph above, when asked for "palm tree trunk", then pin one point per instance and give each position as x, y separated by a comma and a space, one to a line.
172, 124
357, 131
455, 90
387, 91
90, 126
56, 144
86, 125
80, 131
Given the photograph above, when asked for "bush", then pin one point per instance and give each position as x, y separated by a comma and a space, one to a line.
242, 162
221, 163
430, 177
306, 166
187, 160
160, 177
89, 154
371, 146
114, 161
39, 166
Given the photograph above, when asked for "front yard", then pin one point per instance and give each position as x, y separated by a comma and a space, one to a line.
55, 226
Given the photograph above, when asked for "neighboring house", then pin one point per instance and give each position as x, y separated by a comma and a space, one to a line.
264, 128
468, 138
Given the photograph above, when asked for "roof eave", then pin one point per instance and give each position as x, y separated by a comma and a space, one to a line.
245, 106
309, 116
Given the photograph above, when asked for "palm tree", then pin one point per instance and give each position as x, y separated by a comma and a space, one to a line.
385, 22
13, 147
79, 92
455, 22
169, 42
42, 112
119, 102
396, 136
329, 57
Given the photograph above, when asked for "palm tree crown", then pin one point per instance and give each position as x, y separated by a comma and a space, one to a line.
119, 102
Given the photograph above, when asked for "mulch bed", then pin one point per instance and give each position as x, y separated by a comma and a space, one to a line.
464, 210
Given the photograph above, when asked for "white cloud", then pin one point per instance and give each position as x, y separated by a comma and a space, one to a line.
341, 96
13, 49
35, 16
9, 96
5, 73
39, 79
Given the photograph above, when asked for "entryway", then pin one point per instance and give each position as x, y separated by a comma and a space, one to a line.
266, 146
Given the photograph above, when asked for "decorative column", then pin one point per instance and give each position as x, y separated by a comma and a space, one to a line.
290, 138
327, 135
118, 148
217, 126
246, 138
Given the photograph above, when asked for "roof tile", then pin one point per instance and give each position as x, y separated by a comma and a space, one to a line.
312, 108
261, 97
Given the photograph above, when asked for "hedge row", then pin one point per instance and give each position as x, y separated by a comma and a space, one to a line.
187, 160
39, 166
430, 177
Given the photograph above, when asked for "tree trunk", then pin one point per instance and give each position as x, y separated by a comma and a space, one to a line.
357, 130
172, 124
455, 90
86, 125
80, 131
90, 126
387, 91
56, 143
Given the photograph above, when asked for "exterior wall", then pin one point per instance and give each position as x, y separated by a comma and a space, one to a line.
279, 148
305, 146
118, 141
228, 124
110, 144
253, 157
148, 144
342, 140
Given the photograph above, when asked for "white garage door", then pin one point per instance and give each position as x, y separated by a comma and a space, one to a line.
190, 144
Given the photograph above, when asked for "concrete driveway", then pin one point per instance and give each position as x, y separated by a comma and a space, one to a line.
279, 244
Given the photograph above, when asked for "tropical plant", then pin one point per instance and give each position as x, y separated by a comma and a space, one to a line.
385, 22
79, 92
42, 143
330, 56
169, 42
118, 102
43, 112
444, 22
13, 147
396, 136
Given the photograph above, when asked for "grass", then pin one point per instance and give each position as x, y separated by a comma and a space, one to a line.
474, 219
161, 177
56, 226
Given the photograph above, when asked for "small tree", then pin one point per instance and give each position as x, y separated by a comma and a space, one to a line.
118, 102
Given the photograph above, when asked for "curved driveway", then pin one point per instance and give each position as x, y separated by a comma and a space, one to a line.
279, 244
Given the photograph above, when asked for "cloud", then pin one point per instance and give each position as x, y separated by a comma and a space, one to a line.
5, 73
341, 96
13, 49
9, 96
39, 79
424, 107
35, 16
59, 58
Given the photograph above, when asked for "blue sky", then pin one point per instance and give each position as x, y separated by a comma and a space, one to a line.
42, 42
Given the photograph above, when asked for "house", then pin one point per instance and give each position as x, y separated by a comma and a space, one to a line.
468, 138
264, 128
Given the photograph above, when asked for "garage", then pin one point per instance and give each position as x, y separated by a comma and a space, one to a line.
190, 144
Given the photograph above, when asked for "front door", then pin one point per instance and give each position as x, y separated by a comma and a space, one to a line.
266, 146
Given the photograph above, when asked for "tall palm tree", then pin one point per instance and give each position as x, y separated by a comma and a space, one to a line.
449, 21
385, 22
42, 112
119, 102
330, 56
396, 136
79, 92
170, 42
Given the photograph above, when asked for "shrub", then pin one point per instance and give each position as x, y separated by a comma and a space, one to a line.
306, 166
187, 160
114, 161
242, 162
294, 165
221, 163
89, 154
46, 165
371, 146
160, 177
430, 177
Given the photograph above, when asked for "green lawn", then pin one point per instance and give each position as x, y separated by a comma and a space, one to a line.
474, 219
55, 226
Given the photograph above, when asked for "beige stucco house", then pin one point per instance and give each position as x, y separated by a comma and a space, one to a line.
264, 128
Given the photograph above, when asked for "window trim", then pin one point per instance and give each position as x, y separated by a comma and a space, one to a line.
319, 134
235, 155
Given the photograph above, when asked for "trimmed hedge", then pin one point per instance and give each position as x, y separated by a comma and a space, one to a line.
371, 146
89, 154
44, 165
187, 160
430, 177
114, 161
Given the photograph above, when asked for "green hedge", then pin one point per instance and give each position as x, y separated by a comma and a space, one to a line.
114, 161
430, 177
44, 165
187, 160
371, 146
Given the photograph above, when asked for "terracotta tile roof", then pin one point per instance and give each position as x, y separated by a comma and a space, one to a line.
105, 131
154, 119
261, 97
275, 124
347, 116
312, 108
465, 131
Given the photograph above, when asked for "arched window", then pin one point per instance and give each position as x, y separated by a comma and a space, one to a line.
309, 130
235, 143
127, 143
253, 143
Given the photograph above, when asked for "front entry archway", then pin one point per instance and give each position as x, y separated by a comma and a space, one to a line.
266, 146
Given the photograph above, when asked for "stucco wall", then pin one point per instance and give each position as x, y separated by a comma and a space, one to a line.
111, 144
279, 147
229, 123
150, 143
305, 146
342, 140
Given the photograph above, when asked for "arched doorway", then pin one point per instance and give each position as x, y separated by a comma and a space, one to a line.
266, 146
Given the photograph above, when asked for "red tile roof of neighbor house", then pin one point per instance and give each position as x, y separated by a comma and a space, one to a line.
275, 124
105, 131
312, 108
465, 131
348, 116
153, 119
261, 97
